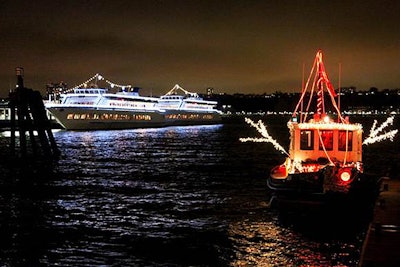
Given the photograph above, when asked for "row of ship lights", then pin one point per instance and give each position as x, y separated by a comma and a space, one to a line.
99, 77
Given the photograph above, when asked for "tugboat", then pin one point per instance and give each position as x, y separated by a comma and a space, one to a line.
325, 153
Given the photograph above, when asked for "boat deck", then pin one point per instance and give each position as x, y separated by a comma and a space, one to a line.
383, 238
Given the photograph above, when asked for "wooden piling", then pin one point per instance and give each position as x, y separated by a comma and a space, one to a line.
28, 114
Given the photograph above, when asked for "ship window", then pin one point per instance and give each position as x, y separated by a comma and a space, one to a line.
342, 140
327, 140
307, 140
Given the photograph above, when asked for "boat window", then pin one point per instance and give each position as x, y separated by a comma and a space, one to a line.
327, 140
345, 137
306, 139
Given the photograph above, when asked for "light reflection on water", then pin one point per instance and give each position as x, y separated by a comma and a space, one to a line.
269, 243
175, 196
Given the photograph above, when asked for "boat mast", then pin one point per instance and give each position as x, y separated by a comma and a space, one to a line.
320, 86
319, 83
323, 81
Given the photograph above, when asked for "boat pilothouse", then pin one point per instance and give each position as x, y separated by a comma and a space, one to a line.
325, 154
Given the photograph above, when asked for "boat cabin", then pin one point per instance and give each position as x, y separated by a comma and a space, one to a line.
325, 139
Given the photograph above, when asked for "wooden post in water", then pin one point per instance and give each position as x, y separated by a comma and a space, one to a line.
31, 116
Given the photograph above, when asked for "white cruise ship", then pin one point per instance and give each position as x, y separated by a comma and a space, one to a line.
85, 108
95, 108
188, 108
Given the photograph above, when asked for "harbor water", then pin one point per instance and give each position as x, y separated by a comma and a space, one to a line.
173, 196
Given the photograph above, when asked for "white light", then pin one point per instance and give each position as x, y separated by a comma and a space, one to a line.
374, 135
98, 77
345, 176
326, 126
261, 128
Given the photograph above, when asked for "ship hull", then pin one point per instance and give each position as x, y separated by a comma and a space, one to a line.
183, 117
72, 118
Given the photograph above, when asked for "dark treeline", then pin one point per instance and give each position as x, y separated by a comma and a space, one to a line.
349, 100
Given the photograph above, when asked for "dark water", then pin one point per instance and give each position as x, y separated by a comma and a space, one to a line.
176, 196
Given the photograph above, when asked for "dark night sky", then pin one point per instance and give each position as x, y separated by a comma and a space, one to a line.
233, 46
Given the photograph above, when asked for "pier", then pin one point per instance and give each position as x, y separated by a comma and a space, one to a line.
382, 241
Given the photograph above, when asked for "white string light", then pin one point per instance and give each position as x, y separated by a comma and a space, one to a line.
123, 87
327, 126
389, 121
178, 87
261, 128
375, 135
99, 78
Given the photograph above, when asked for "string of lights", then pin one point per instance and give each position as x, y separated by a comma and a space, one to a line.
261, 128
98, 77
374, 135
177, 87
389, 121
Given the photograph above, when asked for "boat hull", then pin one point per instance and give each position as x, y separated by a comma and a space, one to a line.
312, 187
322, 183
322, 204
304, 183
72, 118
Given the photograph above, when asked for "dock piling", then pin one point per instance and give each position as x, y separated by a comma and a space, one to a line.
28, 114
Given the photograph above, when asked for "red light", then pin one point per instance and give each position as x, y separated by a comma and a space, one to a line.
279, 172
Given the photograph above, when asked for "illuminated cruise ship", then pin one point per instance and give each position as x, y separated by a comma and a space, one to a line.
188, 108
83, 108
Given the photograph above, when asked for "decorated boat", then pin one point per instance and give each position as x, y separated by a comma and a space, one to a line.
325, 150
325, 153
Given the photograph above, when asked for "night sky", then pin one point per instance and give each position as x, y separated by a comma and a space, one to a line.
232, 46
